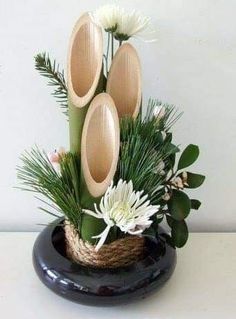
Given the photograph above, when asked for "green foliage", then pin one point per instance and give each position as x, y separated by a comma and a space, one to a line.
195, 204
38, 175
144, 146
50, 70
170, 117
179, 205
179, 233
194, 180
189, 156
91, 226
139, 167
147, 157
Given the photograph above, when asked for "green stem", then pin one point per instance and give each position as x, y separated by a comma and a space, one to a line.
112, 46
120, 42
107, 54
77, 117
76, 122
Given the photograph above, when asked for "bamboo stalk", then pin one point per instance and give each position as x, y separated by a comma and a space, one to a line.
99, 156
84, 74
124, 81
100, 145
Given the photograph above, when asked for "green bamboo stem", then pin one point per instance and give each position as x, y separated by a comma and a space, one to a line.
76, 122
76, 119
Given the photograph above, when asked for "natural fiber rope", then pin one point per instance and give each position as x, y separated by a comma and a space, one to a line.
121, 252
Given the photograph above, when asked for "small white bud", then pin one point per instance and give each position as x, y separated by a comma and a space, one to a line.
166, 197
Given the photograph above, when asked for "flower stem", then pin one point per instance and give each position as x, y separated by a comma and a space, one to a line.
107, 53
120, 42
112, 46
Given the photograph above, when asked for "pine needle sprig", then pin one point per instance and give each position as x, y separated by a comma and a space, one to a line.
145, 146
140, 166
171, 116
38, 175
51, 70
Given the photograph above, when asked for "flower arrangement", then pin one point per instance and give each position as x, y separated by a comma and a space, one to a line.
120, 179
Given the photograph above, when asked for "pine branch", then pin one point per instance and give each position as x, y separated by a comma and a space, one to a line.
145, 146
61, 191
50, 70
170, 117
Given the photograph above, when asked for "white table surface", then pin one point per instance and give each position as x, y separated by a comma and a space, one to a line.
202, 286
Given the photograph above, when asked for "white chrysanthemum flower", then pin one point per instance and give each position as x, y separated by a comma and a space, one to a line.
125, 208
124, 25
133, 24
107, 17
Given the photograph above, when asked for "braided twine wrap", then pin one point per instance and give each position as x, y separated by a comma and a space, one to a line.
121, 252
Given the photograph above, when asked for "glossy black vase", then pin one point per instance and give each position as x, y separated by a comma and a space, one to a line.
100, 287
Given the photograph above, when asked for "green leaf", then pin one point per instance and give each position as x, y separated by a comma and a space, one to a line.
195, 204
179, 233
172, 149
189, 156
169, 220
159, 138
168, 137
179, 205
90, 227
194, 180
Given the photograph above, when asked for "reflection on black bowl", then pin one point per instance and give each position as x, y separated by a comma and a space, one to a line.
100, 287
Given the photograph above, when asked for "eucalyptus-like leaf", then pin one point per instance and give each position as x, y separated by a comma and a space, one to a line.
179, 205
195, 204
194, 180
189, 156
179, 233
169, 220
172, 149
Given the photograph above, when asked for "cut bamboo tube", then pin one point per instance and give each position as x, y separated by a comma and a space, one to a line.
124, 81
100, 144
84, 74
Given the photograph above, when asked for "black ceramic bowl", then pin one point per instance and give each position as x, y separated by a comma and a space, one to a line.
100, 287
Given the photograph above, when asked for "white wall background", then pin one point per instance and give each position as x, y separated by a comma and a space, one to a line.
192, 65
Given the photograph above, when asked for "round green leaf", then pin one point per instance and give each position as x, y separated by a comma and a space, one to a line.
194, 180
195, 204
169, 220
179, 205
189, 156
179, 233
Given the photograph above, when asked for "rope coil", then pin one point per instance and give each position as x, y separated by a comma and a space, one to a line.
121, 252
